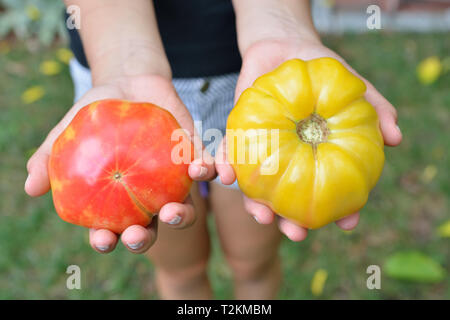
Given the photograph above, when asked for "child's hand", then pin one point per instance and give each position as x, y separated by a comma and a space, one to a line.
264, 56
155, 89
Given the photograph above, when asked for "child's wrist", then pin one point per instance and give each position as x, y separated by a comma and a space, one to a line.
128, 62
282, 20
295, 33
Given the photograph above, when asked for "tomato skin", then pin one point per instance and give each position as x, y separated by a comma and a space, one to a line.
328, 153
112, 168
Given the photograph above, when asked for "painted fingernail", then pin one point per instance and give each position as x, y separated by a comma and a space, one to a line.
203, 171
26, 181
135, 246
175, 220
103, 248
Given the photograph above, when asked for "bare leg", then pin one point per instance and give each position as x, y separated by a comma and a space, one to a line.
251, 249
181, 256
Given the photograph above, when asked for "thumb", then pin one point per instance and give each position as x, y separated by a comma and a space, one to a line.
38, 182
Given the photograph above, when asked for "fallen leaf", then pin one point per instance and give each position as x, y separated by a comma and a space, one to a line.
33, 12
428, 70
429, 173
32, 94
318, 282
50, 67
413, 266
64, 55
444, 230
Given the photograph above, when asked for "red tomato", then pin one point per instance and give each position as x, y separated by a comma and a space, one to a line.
112, 166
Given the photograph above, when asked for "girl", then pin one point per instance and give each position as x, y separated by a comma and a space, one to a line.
193, 58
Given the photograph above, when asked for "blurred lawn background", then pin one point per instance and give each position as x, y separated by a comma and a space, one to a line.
404, 229
405, 212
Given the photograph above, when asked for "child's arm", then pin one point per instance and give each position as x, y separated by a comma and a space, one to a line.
127, 60
121, 38
261, 20
269, 33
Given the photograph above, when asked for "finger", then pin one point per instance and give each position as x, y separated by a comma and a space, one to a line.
251, 69
138, 239
37, 182
223, 167
291, 230
387, 115
202, 169
102, 240
260, 212
349, 222
178, 215
246, 78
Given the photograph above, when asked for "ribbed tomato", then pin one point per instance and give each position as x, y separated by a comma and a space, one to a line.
112, 166
304, 141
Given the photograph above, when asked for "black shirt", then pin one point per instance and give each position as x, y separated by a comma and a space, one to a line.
199, 37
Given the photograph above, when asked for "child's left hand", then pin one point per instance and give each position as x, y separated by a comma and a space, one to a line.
264, 56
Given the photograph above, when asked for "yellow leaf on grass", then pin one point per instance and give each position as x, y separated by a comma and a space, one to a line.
50, 67
33, 12
64, 55
429, 173
429, 70
32, 94
318, 282
444, 230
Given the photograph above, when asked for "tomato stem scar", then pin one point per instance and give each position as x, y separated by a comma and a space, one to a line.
117, 176
313, 130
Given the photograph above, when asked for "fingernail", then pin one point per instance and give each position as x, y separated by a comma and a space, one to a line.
135, 246
26, 181
256, 218
175, 220
102, 248
398, 128
203, 172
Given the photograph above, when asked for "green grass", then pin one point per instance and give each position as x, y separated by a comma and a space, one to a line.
403, 211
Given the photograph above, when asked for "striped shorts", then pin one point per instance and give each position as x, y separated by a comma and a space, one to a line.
209, 100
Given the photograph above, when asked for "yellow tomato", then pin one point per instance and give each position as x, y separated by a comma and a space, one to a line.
305, 142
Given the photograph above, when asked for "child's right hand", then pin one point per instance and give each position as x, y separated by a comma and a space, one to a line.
144, 88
